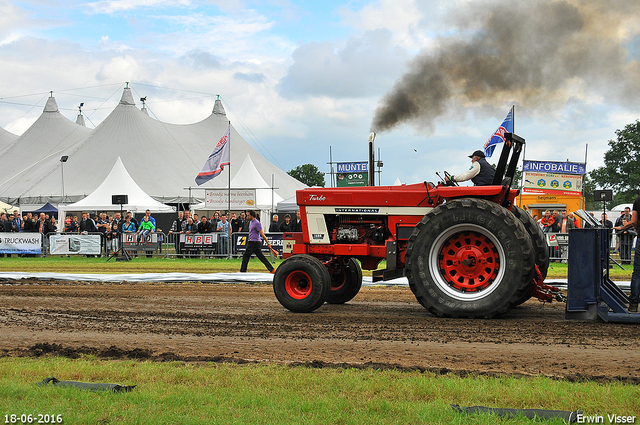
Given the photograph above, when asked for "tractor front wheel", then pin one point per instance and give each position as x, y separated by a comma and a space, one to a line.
301, 283
469, 258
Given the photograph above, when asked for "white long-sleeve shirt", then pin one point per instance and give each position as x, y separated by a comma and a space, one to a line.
469, 174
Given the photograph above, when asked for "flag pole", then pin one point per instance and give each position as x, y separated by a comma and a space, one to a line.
513, 117
524, 153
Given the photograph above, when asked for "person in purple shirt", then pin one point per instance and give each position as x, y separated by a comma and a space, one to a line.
254, 244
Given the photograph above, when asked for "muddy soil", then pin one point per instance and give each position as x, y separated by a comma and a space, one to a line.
381, 327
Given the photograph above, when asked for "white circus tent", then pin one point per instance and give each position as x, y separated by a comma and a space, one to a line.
248, 177
6, 138
6, 208
118, 182
162, 158
38, 149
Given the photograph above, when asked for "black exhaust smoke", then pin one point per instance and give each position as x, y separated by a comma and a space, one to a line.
538, 54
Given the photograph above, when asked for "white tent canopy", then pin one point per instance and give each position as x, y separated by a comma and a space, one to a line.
6, 208
6, 138
289, 204
163, 158
621, 207
118, 182
248, 177
41, 147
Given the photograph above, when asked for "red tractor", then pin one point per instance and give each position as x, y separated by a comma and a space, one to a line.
466, 251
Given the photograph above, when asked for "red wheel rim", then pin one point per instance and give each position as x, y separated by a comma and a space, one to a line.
469, 261
338, 280
298, 285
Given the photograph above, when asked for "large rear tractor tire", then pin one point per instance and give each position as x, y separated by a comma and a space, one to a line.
301, 283
346, 282
539, 241
469, 258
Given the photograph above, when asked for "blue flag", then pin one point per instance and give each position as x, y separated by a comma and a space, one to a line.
220, 157
498, 136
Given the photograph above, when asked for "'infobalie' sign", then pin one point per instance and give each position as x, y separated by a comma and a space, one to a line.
554, 167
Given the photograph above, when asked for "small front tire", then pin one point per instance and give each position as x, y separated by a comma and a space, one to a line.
301, 283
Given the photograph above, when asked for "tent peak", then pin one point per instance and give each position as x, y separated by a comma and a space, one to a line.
127, 97
51, 105
218, 109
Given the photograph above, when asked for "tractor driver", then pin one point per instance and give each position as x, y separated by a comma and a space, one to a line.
481, 172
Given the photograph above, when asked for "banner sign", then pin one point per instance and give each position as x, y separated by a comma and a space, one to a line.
240, 199
199, 240
557, 239
75, 244
352, 180
564, 184
275, 239
130, 242
20, 243
554, 167
352, 167
352, 174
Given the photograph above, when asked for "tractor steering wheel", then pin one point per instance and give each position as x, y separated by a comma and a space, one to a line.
448, 181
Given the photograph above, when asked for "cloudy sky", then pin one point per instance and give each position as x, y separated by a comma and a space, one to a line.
433, 78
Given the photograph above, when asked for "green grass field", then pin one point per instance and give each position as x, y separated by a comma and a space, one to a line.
60, 264
178, 393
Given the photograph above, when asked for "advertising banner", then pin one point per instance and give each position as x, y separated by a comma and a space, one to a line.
199, 240
557, 239
240, 199
74, 244
275, 239
554, 167
352, 174
130, 242
20, 243
564, 184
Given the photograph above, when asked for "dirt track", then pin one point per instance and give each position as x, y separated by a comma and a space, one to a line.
381, 327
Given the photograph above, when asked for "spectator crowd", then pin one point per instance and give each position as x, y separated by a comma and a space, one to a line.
111, 227
563, 221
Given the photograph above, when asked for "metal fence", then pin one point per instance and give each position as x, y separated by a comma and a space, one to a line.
559, 248
157, 244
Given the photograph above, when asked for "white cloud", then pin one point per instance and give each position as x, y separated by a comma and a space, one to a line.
107, 44
360, 67
115, 6
409, 21
13, 22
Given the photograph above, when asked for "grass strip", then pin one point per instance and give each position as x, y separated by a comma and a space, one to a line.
263, 394
58, 264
